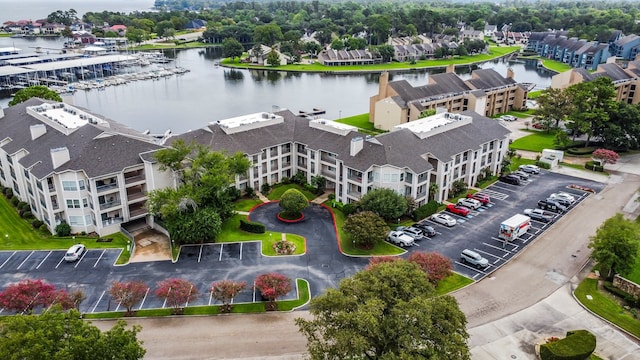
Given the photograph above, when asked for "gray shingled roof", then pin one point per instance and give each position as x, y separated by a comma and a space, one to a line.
614, 72
445, 83
96, 157
398, 148
489, 79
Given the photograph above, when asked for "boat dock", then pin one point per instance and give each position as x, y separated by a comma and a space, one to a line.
314, 112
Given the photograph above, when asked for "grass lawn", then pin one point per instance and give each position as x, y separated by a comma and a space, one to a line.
515, 162
246, 204
304, 295
494, 52
278, 190
231, 233
537, 141
635, 273
362, 123
534, 94
603, 305
17, 234
556, 66
486, 182
453, 282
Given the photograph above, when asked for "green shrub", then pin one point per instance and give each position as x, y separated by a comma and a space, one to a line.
63, 229
234, 193
26, 214
591, 165
578, 345
580, 150
22, 205
14, 201
628, 298
286, 180
265, 189
310, 188
543, 165
8, 193
332, 197
44, 228
252, 227
299, 178
426, 210
36, 224
249, 192
348, 209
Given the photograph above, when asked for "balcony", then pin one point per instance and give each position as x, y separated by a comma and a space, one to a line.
110, 204
111, 221
354, 193
133, 179
137, 212
106, 187
355, 177
136, 195
328, 174
328, 158
52, 188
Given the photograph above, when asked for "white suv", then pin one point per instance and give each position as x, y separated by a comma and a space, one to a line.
473, 258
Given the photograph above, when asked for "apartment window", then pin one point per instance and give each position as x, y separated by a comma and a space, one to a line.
2, 175
255, 159
88, 220
491, 145
76, 220
409, 177
81, 184
85, 202
26, 174
484, 148
69, 186
9, 159
73, 203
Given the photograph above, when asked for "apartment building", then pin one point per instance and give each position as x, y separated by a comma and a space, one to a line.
625, 79
487, 93
439, 149
74, 166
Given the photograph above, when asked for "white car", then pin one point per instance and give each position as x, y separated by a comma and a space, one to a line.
74, 253
443, 219
521, 174
470, 203
563, 196
509, 118
529, 168
400, 238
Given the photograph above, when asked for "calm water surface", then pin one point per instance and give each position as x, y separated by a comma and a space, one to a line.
210, 93
14, 10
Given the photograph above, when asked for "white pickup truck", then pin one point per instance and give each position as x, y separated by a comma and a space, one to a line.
400, 238
540, 215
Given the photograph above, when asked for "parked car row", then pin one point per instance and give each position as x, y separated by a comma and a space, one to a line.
522, 174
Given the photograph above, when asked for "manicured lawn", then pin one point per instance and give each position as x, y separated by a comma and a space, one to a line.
494, 52
603, 305
304, 295
486, 182
361, 122
231, 233
278, 190
246, 204
515, 162
452, 282
537, 141
635, 273
556, 66
534, 94
17, 234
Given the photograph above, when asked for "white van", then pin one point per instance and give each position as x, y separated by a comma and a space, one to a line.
473, 258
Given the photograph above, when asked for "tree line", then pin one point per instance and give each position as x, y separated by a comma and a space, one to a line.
375, 21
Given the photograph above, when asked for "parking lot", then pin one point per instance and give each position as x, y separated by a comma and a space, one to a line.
479, 230
323, 266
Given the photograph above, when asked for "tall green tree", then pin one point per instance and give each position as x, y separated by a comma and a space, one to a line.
592, 102
65, 335
273, 59
387, 203
292, 202
615, 245
232, 48
389, 311
268, 34
37, 91
366, 228
554, 105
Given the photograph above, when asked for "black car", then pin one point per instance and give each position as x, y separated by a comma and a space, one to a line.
428, 230
551, 205
510, 179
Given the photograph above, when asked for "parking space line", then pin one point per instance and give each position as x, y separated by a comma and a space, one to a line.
60, 262
210, 297
100, 257
241, 251
220, 257
9, 258
472, 268
98, 302
254, 291
489, 254
45, 258
515, 247
143, 299
164, 303
81, 257
200, 253
117, 308
497, 248
25, 260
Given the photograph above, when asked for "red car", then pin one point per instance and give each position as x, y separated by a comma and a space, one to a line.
458, 209
483, 198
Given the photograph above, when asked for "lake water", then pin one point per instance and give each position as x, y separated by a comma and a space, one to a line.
209, 93
14, 10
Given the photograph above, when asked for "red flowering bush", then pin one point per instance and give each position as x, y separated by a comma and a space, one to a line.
272, 286
176, 293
